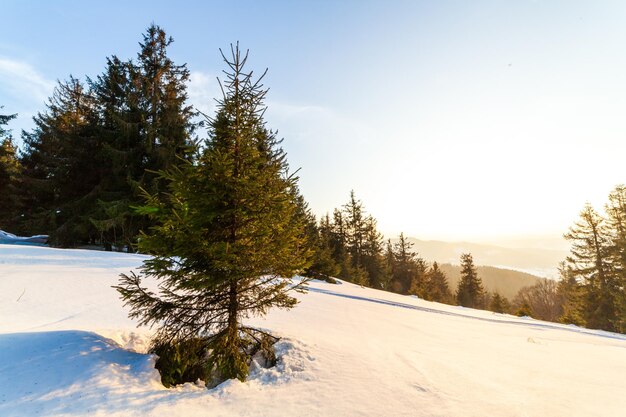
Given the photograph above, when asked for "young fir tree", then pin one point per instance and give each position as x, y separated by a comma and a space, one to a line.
437, 288
341, 252
590, 261
407, 267
470, 292
354, 215
419, 280
572, 294
323, 265
10, 172
228, 238
372, 256
499, 303
524, 309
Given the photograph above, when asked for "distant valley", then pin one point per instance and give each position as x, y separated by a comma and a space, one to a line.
502, 269
536, 261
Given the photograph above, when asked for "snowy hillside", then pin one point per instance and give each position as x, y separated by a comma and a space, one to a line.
68, 348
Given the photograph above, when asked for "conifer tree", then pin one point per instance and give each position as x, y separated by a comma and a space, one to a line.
372, 257
323, 264
10, 171
524, 310
390, 263
591, 262
408, 269
61, 167
419, 279
498, 303
341, 253
616, 221
437, 288
148, 127
572, 294
470, 292
228, 238
354, 215
4, 120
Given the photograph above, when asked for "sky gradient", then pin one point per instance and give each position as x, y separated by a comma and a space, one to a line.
483, 120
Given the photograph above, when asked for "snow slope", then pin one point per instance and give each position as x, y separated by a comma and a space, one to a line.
68, 348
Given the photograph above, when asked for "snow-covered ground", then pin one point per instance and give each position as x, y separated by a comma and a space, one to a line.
68, 348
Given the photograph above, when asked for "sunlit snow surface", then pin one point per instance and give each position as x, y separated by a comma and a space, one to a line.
68, 348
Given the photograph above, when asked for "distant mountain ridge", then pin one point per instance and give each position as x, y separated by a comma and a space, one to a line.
505, 282
535, 261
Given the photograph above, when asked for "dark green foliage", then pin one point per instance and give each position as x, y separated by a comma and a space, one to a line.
359, 245
470, 292
616, 222
97, 145
62, 169
524, 310
436, 286
148, 127
593, 278
572, 294
4, 120
407, 269
10, 176
228, 235
499, 304
350, 247
323, 265
372, 258
183, 361
590, 261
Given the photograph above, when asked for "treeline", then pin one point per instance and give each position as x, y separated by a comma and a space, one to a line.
96, 150
591, 291
349, 246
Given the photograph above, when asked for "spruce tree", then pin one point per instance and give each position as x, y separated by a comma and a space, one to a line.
408, 269
354, 215
148, 127
572, 295
372, 257
323, 264
62, 171
341, 253
10, 172
590, 261
4, 120
616, 222
498, 303
470, 292
524, 309
227, 237
437, 288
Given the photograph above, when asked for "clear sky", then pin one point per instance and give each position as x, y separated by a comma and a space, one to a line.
451, 120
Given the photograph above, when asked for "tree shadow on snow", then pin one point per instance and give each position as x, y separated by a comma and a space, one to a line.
67, 372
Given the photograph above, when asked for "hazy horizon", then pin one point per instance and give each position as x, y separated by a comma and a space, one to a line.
487, 122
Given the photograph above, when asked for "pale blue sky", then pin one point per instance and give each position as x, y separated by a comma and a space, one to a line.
451, 119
